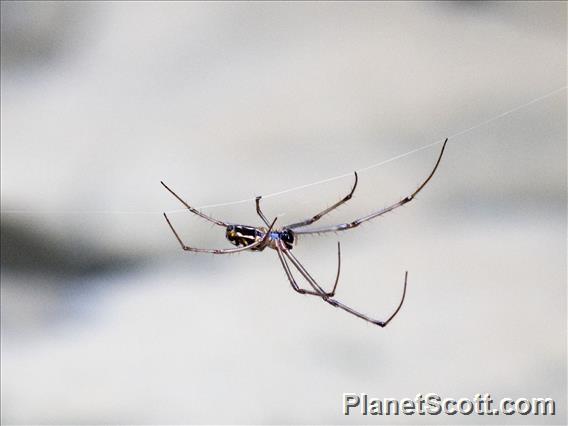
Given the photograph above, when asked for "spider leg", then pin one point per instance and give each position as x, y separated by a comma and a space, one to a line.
259, 212
326, 211
220, 251
311, 281
352, 311
193, 210
337, 303
357, 222
291, 277
297, 288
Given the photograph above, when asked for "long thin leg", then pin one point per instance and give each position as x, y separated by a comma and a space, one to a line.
337, 303
220, 251
326, 211
311, 281
197, 212
259, 212
295, 286
318, 290
357, 222
352, 311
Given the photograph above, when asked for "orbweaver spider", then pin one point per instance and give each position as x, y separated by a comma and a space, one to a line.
282, 240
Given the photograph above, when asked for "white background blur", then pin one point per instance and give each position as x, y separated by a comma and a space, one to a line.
106, 320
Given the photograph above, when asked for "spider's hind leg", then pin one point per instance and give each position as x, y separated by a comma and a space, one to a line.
194, 210
256, 245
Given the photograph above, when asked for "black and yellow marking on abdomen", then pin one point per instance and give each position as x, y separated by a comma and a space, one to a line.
242, 236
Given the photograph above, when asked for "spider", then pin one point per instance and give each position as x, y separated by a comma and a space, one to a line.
282, 240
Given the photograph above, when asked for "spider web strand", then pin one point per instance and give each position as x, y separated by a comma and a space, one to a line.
308, 185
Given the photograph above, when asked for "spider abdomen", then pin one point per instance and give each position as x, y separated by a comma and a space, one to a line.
242, 236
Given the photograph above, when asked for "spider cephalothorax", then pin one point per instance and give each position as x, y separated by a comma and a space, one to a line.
282, 240
287, 237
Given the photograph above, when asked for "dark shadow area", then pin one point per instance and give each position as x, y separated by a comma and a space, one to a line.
28, 250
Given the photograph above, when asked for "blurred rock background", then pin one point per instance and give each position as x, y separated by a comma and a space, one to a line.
105, 320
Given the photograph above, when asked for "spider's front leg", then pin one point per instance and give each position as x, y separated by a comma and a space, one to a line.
318, 216
357, 222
